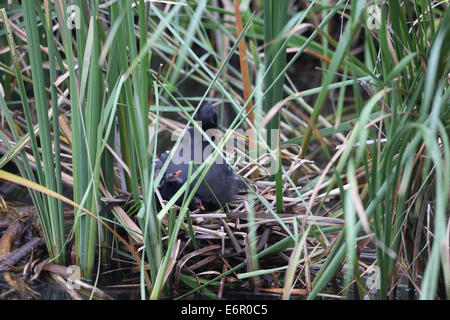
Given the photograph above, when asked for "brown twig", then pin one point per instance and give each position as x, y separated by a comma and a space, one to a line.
243, 62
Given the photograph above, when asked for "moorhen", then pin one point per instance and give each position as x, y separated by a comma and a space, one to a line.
170, 184
220, 178
208, 116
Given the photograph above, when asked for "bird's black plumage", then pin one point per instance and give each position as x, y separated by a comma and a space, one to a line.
208, 116
169, 186
220, 184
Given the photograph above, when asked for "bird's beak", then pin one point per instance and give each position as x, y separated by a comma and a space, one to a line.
177, 174
201, 207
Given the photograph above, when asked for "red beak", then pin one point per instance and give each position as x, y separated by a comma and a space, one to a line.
177, 174
201, 207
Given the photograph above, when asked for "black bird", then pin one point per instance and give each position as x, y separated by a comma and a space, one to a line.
220, 179
170, 184
208, 116
224, 184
